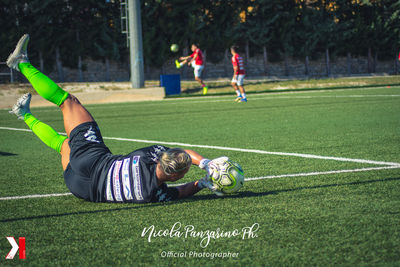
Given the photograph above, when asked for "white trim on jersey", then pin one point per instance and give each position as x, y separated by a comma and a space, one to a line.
126, 185
109, 196
116, 182
137, 183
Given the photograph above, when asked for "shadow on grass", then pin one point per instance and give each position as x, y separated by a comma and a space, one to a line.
7, 154
244, 194
275, 192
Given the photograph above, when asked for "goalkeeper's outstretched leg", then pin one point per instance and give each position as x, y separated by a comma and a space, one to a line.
74, 113
45, 133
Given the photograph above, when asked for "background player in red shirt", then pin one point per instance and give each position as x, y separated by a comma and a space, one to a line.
196, 61
238, 75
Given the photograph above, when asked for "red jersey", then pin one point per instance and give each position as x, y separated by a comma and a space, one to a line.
199, 58
237, 61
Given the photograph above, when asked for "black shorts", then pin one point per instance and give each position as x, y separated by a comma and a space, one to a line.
88, 158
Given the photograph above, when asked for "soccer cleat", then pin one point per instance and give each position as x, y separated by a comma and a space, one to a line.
237, 99
177, 64
243, 100
22, 106
205, 90
20, 54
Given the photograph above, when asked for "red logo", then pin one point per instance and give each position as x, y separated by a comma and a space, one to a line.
16, 247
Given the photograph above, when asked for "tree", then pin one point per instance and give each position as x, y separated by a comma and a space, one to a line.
392, 31
308, 34
284, 28
260, 26
328, 30
168, 22
220, 30
68, 32
345, 15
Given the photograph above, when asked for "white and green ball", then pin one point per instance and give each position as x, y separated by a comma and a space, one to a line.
229, 177
174, 48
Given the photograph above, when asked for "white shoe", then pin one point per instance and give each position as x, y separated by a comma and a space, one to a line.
22, 106
20, 54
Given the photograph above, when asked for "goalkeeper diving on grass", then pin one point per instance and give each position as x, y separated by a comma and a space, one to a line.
91, 171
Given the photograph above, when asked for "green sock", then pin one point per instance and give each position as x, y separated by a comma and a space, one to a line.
45, 133
43, 85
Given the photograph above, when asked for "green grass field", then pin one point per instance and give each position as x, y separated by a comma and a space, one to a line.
222, 86
323, 188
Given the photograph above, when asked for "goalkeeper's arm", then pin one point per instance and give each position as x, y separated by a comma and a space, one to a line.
196, 157
189, 189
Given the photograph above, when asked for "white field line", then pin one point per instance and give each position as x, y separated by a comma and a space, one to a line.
252, 97
388, 165
36, 196
256, 151
15, 129
256, 96
260, 97
247, 180
322, 173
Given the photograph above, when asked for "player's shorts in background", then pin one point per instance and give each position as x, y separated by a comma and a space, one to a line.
198, 69
238, 79
88, 158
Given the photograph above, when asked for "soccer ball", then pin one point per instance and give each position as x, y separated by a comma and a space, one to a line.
228, 177
174, 48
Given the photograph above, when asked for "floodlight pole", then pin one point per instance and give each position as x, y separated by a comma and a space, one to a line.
135, 44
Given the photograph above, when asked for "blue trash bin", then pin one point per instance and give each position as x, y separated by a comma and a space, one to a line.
171, 83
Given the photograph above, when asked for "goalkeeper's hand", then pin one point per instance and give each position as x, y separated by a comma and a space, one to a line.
205, 165
212, 166
206, 182
220, 161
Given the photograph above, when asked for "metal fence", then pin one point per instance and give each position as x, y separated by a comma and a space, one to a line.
4, 72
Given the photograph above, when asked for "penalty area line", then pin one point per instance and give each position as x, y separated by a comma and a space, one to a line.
256, 151
247, 180
321, 173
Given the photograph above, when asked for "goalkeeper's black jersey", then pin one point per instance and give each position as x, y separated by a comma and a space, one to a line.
132, 178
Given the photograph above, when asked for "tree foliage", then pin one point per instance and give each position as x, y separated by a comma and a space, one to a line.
300, 28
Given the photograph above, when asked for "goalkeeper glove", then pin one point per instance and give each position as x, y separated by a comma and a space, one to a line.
205, 165
220, 161
205, 182
212, 166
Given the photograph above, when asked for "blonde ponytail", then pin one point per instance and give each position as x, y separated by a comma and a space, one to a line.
174, 160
